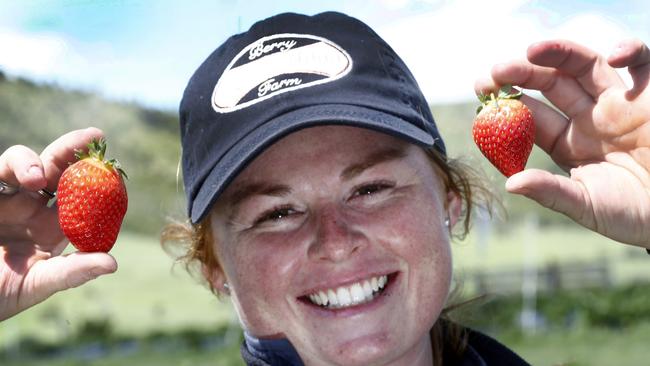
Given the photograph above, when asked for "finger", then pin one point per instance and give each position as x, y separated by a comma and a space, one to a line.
21, 166
556, 192
485, 86
592, 72
59, 273
550, 124
634, 55
629, 53
59, 154
563, 91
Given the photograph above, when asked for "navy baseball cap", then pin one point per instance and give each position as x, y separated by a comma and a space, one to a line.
286, 73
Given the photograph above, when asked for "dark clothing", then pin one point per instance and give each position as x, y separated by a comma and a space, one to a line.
481, 351
265, 352
490, 352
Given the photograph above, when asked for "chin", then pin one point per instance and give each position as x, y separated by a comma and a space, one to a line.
362, 353
379, 348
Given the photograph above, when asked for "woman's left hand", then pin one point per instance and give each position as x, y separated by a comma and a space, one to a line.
599, 132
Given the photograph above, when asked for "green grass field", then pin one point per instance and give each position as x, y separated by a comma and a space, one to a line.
146, 296
147, 358
586, 347
539, 245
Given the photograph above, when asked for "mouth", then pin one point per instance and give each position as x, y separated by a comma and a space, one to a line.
354, 294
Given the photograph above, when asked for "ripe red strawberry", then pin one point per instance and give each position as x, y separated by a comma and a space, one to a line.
504, 131
92, 200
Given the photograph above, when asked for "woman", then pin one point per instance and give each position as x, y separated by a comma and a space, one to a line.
321, 198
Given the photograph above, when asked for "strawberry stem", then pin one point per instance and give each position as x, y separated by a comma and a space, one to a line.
97, 150
493, 100
508, 92
505, 92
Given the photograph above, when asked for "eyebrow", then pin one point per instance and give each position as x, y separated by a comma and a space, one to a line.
376, 158
271, 189
253, 189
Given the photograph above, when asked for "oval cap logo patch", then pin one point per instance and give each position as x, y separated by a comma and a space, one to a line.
278, 64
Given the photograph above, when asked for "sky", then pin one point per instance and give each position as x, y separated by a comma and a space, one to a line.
145, 51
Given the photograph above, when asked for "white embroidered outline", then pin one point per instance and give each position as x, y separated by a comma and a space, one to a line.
246, 50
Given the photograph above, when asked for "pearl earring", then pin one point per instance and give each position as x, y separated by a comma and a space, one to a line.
447, 223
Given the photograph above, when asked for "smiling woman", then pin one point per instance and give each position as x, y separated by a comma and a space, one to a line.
326, 212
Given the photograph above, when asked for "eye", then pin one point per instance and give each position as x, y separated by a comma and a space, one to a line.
275, 214
372, 188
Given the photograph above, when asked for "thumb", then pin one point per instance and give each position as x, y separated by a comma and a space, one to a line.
47, 277
556, 192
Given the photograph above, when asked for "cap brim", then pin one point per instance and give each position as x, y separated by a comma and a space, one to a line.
227, 168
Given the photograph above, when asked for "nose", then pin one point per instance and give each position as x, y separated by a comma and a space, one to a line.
335, 237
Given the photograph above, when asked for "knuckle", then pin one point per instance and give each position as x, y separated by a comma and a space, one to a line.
18, 153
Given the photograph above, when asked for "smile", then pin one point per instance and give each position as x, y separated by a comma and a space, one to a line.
354, 294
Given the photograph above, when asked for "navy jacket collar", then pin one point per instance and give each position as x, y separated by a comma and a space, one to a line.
272, 351
481, 351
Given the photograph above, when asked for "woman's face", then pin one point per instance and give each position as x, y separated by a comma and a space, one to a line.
334, 238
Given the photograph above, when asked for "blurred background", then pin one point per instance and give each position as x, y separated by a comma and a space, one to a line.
556, 294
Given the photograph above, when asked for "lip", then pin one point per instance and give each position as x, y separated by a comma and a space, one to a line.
394, 279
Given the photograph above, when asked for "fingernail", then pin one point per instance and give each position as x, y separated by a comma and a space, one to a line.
35, 171
100, 271
513, 185
97, 271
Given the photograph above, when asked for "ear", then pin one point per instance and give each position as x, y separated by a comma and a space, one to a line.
454, 206
216, 278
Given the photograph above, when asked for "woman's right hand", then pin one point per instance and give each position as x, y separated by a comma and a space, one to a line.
31, 241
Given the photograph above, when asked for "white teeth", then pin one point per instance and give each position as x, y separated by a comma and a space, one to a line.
331, 296
357, 293
367, 290
354, 294
373, 284
344, 296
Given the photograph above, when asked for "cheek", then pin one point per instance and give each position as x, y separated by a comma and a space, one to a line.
414, 232
428, 254
413, 228
259, 273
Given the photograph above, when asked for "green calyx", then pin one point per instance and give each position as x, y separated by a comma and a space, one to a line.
505, 92
97, 150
